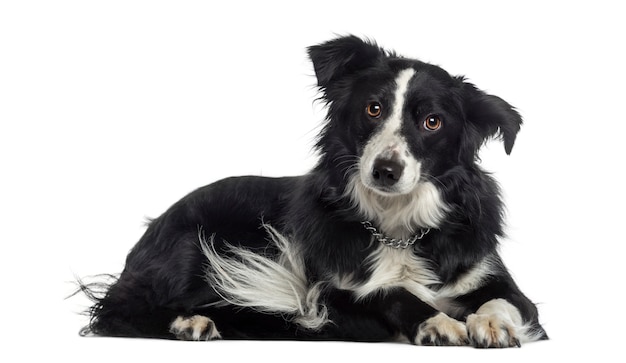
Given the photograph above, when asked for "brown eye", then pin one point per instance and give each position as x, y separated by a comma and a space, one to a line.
432, 123
374, 109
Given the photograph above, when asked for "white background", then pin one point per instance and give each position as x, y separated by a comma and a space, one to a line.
111, 111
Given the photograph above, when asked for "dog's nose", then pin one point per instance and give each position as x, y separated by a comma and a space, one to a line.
387, 172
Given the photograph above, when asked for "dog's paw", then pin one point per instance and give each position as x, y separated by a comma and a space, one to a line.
492, 331
442, 330
196, 327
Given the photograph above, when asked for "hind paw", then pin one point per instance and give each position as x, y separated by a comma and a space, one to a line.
196, 327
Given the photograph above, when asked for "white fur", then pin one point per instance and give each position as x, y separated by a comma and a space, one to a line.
498, 323
389, 141
252, 280
399, 215
391, 268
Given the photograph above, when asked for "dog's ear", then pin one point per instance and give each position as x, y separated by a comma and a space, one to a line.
488, 116
341, 57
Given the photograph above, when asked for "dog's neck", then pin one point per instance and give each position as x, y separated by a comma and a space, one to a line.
402, 216
402, 243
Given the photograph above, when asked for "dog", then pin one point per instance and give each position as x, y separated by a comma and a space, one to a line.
392, 236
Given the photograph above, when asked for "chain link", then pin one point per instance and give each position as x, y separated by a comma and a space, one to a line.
394, 242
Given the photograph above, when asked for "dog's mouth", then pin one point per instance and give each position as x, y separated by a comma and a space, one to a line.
388, 191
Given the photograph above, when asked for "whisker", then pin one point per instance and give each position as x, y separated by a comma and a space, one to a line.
352, 162
433, 178
349, 162
350, 170
347, 157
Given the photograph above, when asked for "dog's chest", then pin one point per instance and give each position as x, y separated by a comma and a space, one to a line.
388, 268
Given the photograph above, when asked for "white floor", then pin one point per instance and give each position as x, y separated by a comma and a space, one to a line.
75, 349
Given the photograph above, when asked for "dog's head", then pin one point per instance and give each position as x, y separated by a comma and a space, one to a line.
399, 121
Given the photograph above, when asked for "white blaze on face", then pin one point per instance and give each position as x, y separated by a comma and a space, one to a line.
389, 142
398, 208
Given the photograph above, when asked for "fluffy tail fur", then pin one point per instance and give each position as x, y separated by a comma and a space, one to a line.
249, 279
120, 310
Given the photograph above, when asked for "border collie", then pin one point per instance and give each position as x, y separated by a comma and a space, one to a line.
392, 236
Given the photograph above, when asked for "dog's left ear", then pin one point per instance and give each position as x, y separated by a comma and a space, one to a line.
342, 57
489, 116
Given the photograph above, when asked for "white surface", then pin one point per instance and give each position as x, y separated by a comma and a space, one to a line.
111, 111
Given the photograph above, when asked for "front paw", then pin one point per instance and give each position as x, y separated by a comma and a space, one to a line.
441, 330
492, 331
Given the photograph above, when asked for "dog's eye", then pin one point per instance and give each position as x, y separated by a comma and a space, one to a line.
432, 123
374, 109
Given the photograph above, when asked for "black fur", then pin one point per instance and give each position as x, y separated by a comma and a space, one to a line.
164, 276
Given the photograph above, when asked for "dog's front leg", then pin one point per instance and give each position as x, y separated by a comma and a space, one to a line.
420, 322
500, 315
497, 323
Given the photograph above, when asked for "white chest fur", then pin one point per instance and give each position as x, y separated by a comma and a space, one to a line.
391, 268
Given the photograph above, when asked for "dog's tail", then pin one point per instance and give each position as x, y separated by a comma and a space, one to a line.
95, 290
249, 279
117, 309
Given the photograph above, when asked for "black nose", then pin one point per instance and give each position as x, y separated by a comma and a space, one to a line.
387, 172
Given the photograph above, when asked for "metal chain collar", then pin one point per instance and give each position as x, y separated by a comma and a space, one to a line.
393, 242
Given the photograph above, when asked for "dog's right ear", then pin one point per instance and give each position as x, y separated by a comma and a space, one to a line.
341, 57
